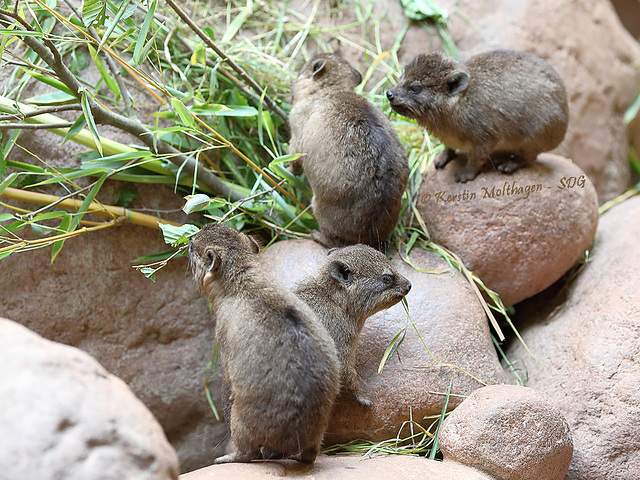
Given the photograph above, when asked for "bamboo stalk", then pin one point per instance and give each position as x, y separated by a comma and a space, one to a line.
109, 211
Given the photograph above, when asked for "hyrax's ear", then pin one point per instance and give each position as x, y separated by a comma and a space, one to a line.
318, 68
340, 271
457, 82
253, 244
212, 262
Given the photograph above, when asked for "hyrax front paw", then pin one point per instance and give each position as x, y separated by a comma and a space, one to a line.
465, 174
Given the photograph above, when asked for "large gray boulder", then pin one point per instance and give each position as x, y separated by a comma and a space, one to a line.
64, 416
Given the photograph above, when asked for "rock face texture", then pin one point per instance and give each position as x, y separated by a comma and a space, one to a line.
343, 467
450, 321
157, 337
520, 232
64, 416
587, 344
509, 432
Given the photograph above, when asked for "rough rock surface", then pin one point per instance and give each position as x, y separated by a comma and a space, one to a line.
509, 432
520, 232
64, 416
451, 322
587, 344
157, 337
343, 467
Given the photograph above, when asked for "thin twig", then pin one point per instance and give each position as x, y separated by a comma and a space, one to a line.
237, 68
32, 126
41, 111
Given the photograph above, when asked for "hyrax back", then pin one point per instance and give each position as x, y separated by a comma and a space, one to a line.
279, 361
354, 161
506, 102
354, 283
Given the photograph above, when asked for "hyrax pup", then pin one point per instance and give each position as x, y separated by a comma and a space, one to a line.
354, 161
506, 102
354, 283
279, 362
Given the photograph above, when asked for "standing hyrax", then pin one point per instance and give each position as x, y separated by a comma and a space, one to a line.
354, 161
279, 362
354, 283
507, 102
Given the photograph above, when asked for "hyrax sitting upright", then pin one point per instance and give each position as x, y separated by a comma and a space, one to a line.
506, 102
354, 161
279, 362
354, 283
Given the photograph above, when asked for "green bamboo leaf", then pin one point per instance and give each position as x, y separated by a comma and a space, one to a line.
52, 98
5, 254
49, 215
77, 126
8, 181
5, 216
94, 13
237, 22
57, 84
65, 226
108, 79
85, 204
149, 272
114, 23
89, 118
137, 52
632, 111
22, 33
183, 112
392, 348
196, 203
178, 235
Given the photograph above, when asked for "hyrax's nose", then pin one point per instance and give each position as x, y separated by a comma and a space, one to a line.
407, 288
389, 94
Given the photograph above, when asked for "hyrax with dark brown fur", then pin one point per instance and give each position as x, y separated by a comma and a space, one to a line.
354, 283
506, 102
279, 362
354, 161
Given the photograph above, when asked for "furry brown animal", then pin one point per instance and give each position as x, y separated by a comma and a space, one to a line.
279, 362
354, 161
354, 283
506, 102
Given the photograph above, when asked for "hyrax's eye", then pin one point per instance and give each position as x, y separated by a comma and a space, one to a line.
387, 279
415, 88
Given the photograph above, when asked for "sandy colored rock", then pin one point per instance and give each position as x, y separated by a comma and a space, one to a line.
520, 232
342, 467
586, 340
509, 432
157, 337
451, 322
64, 416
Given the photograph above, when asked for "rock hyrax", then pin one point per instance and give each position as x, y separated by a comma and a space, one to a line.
510, 103
279, 362
354, 161
354, 283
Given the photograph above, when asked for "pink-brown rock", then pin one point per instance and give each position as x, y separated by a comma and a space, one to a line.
450, 321
587, 344
158, 337
509, 432
342, 467
63, 416
520, 232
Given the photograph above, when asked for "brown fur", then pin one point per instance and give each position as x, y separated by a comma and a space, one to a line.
354, 283
510, 103
279, 362
355, 164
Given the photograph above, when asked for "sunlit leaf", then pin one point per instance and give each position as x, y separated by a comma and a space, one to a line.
94, 12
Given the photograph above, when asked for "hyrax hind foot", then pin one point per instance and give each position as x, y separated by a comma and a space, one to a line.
236, 458
445, 157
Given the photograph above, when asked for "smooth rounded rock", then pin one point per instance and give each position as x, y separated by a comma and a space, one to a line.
509, 432
457, 346
342, 467
586, 340
520, 232
64, 416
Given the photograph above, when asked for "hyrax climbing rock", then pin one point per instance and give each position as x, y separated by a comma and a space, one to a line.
354, 161
507, 103
280, 363
354, 283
